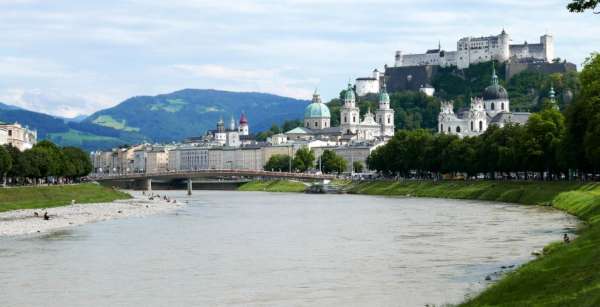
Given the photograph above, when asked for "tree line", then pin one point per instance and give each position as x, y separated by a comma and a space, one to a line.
551, 145
329, 162
44, 162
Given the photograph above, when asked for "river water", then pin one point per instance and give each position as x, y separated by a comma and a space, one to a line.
254, 248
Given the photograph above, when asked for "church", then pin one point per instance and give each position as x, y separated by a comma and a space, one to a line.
491, 109
372, 127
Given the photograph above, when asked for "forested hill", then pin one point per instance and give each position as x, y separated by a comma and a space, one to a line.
527, 92
192, 112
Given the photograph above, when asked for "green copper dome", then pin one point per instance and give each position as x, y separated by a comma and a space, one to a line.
349, 93
316, 109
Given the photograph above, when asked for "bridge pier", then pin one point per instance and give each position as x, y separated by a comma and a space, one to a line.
149, 184
189, 187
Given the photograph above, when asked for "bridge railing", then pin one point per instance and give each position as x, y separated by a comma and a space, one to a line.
215, 172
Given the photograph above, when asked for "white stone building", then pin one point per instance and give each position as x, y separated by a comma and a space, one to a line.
18, 136
369, 85
492, 109
471, 50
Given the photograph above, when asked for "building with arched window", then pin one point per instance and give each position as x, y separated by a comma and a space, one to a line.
492, 109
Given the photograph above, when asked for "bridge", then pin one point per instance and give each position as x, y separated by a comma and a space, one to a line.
233, 176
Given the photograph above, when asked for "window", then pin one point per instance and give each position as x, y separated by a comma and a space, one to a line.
389, 119
307, 124
502, 106
442, 127
345, 119
471, 125
480, 125
315, 123
457, 129
9, 132
353, 119
492, 106
449, 129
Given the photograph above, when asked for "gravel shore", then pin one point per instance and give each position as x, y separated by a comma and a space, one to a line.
20, 222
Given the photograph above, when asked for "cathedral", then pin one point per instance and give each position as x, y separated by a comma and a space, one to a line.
317, 121
491, 109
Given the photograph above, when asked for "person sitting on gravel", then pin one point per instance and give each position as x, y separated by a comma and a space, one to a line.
566, 239
46, 216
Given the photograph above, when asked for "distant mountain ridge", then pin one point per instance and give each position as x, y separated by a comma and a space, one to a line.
162, 118
191, 112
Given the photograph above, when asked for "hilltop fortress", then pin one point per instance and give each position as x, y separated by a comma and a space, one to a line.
472, 50
415, 72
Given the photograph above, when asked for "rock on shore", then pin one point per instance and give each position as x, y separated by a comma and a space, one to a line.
20, 222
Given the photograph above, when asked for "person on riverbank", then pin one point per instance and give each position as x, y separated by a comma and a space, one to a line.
566, 239
46, 216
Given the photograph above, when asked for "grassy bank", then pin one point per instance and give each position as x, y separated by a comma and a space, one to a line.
274, 186
55, 196
567, 275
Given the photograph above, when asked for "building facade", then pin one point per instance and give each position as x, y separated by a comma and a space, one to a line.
369, 85
18, 136
471, 50
492, 109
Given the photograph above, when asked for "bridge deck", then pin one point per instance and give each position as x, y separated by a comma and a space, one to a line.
211, 173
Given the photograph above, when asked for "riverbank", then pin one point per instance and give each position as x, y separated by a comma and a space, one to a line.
567, 275
273, 186
25, 221
34, 197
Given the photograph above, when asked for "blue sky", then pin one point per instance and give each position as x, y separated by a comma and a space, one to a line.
70, 57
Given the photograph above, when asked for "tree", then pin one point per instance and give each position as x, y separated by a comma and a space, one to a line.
5, 163
332, 163
304, 159
579, 6
358, 166
278, 163
76, 163
545, 131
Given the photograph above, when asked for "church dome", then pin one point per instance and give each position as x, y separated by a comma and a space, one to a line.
316, 109
495, 90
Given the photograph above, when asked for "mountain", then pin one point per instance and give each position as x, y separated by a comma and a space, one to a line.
77, 119
191, 112
163, 118
4, 106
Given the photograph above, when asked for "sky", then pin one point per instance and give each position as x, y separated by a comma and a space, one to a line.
72, 57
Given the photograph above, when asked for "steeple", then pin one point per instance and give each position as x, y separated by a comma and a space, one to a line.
552, 96
384, 98
494, 76
349, 98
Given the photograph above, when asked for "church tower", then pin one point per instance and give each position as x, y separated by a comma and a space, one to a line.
350, 114
385, 114
244, 129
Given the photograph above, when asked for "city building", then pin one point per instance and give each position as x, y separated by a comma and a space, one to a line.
18, 136
492, 109
471, 50
372, 127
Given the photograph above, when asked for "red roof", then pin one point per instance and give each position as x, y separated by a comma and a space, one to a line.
243, 119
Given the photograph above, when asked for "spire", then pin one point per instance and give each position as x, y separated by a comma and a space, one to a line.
552, 95
494, 76
439, 45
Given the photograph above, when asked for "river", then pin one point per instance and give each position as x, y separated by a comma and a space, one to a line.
254, 248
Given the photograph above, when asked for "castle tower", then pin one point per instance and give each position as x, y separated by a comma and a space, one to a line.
503, 53
244, 129
385, 114
350, 114
548, 41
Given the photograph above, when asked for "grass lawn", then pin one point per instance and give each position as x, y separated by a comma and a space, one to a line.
55, 196
567, 274
274, 186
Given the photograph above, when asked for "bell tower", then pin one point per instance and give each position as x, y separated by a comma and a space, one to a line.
350, 114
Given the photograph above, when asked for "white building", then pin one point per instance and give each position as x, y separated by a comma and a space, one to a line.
471, 50
18, 136
3, 136
369, 85
492, 109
